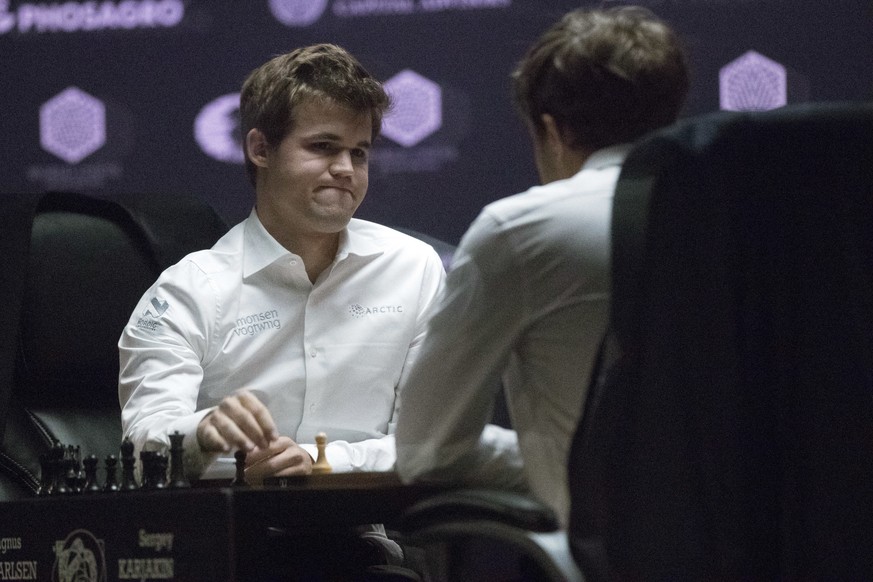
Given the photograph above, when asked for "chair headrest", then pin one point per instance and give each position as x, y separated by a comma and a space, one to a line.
85, 274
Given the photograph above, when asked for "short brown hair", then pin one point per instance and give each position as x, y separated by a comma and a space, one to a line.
607, 76
272, 92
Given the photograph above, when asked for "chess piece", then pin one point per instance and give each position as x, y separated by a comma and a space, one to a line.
240, 479
154, 469
147, 461
60, 486
91, 485
69, 471
321, 465
159, 475
128, 467
79, 468
177, 468
57, 469
111, 483
46, 474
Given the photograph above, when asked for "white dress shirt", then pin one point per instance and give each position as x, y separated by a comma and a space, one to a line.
526, 299
327, 356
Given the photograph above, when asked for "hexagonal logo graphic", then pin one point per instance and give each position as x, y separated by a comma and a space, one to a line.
417, 110
298, 13
752, 82
72, 125
7, 20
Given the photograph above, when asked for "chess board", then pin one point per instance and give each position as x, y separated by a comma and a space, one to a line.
210, 532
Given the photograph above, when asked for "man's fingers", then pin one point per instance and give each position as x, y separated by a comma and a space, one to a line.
238, 424
261, 454
240, 421
261, 414
230, 434
298, 465
209, 438
283, 458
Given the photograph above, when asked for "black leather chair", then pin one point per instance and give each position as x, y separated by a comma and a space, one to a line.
74, 268
730, 435
729, 426
485, 534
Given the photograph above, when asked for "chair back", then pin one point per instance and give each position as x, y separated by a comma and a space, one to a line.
730, 430
83, 265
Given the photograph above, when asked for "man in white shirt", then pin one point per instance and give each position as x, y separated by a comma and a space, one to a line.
301, 319
526, 299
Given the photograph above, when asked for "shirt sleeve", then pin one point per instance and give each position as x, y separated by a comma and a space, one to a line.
367, 455
161, 351
432, 285
449, 395
378, 454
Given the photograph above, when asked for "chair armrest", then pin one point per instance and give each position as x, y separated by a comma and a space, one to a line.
505, 507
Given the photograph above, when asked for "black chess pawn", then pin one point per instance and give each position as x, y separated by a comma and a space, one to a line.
91, 485
177, 467
240, 479
128, 467
111, 483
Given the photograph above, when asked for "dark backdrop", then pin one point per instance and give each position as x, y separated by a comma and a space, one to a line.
138, 95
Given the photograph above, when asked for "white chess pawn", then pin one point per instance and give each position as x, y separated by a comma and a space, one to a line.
321, 465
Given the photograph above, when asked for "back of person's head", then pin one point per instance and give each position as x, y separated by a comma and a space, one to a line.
606, 76
274, 91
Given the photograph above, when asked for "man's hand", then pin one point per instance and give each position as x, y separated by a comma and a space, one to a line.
282, 458
240, 422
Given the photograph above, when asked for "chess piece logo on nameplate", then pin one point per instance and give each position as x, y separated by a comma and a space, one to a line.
80, 557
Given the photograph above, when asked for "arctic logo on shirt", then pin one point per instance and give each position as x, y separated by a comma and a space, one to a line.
253, 324
357, 310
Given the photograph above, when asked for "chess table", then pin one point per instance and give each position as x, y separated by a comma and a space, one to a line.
210, 532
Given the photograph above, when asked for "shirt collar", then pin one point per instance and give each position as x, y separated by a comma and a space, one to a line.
262, 250
609, 156
354, 241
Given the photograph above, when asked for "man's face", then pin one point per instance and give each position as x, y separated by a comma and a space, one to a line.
315, 179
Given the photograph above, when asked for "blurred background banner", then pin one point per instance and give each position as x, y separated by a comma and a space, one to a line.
141, 96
